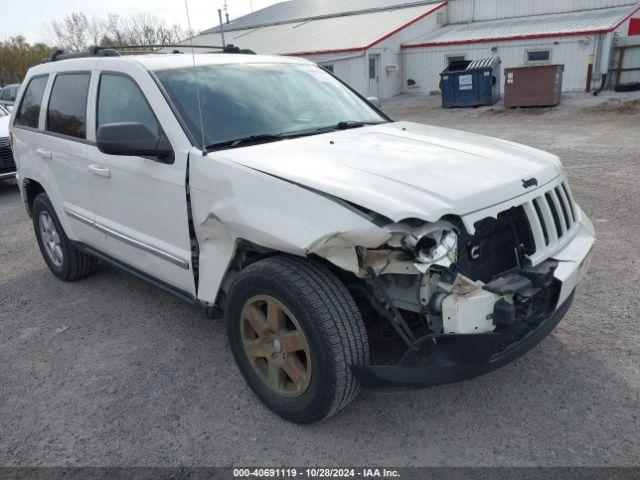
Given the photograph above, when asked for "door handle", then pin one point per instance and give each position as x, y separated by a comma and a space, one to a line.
44, 153
100, 170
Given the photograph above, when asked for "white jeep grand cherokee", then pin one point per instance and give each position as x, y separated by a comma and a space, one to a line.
265, 189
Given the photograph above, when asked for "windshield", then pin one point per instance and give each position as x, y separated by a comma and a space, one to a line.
249, 100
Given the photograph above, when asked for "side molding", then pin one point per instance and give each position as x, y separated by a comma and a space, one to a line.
128, 240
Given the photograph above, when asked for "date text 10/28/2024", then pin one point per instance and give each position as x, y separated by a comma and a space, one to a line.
315, 473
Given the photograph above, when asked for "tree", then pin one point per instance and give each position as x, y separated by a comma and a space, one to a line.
74, 32
17, 56
77, 32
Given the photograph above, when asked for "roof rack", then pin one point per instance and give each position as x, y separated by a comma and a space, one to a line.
98, 51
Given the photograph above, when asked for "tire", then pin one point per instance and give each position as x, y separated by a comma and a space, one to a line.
70, 264
330, 322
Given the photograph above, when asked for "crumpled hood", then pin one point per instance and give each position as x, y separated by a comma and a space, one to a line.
405, 170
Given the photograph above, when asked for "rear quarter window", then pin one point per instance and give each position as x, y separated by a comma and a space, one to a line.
67, 112
29, 111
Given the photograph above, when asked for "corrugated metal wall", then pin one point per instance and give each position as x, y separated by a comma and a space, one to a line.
350, 68
423, 65
461, 11
354, 68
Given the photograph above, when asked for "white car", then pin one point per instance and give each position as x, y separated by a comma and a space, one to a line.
265, 189
7, 165
8, 95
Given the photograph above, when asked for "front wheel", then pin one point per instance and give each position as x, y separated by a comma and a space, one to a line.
295, 330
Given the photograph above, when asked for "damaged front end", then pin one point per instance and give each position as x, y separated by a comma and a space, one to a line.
463, 304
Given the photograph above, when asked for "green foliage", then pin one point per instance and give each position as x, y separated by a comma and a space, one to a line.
77, 32
17, 56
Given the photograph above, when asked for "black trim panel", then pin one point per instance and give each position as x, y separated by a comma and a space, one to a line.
186, 296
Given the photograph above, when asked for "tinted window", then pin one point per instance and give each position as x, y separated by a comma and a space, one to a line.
120, 100
29, 112
67, 112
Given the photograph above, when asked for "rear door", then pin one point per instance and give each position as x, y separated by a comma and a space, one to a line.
141, 203
64, 151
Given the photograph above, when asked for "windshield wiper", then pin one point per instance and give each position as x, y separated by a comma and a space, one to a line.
345, 125
246, 141
269, 137
350, 124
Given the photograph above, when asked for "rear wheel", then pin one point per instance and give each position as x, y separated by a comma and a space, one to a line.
63, 259
295, 330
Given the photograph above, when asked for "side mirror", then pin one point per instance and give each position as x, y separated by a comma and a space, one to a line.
375, 101
132, 139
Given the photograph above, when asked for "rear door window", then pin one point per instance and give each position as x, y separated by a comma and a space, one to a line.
29, 111
67, 113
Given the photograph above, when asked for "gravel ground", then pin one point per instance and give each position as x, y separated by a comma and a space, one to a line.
112, 371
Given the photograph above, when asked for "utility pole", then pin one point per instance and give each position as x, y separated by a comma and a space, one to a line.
221, 27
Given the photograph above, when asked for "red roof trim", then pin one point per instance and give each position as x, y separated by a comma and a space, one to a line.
524, 37
360, 49
626, 18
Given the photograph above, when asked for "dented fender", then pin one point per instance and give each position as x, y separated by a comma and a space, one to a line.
230, 202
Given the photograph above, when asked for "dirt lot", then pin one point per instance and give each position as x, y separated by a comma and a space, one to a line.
111, 371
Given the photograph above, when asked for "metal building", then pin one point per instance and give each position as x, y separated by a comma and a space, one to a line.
386, 47
580, 39
359, 40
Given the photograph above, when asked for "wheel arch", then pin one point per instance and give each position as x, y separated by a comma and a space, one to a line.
247, 253
30, 190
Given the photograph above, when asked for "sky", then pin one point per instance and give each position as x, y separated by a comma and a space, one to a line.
30, 17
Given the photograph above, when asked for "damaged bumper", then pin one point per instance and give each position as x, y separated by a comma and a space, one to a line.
459, 357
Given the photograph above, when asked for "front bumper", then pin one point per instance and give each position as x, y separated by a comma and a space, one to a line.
462, 357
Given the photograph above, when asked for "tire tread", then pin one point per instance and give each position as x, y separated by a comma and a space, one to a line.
341, 322
79, 265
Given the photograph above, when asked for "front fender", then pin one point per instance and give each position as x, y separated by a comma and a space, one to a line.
231, 202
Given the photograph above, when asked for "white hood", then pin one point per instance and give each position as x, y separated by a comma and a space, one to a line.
405, 170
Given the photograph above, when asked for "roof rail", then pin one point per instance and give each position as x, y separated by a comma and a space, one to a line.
98, 51
225, 49
91, 52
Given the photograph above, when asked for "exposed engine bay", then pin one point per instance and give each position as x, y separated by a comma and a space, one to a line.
459, 283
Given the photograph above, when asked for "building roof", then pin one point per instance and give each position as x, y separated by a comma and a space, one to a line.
300, 10
540, 26
336, 34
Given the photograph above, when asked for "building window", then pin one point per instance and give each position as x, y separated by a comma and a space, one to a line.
538, 56
373, 73
454, 58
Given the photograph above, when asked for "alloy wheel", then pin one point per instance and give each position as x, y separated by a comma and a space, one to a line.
51, 239
276, 346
